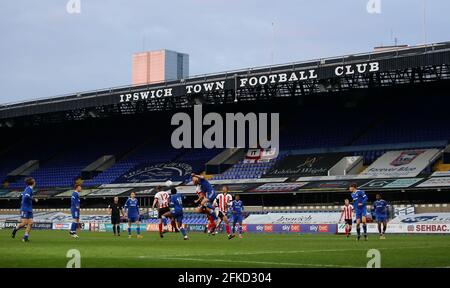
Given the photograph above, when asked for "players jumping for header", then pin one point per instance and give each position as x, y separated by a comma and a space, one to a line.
222, 203
237, 207
75, 211
26, 210
206, 196
133, 214
380, 207
176, 211
347, 214
359, 203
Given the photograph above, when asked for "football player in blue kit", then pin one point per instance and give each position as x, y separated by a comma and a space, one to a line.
133, 214
360, 205
176, 210
381, 211
206, 196
75, 211
237, 207
26, 210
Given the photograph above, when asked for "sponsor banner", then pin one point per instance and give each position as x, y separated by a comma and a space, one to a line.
332, 185
195, 227
188, 189
279, 187
61, 226
423, 218
45, 193
390, 183
247, 181
239, 188
138, 185
109, 192
12, 194
2, 225
441, 174
293, 218
318, 228
260, 155
429, 228
328, 178
3, 192
432, 228
436, 182
58, 217
10, 224
42, 226
143, 173
305, 165
399, 164
68, 193
292, 228
145, 191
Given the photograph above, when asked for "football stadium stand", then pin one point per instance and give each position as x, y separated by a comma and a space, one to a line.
114, 142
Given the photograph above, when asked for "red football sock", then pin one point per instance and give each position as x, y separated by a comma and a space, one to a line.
160, 226
227, 227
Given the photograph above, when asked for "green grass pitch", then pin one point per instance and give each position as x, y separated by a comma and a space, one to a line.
99, 249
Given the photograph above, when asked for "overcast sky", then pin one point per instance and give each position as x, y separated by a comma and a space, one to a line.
46, 51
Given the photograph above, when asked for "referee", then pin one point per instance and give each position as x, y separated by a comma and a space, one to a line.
115, 210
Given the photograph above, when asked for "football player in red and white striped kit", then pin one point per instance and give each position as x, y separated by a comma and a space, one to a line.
222, 203
347, 214
162, 199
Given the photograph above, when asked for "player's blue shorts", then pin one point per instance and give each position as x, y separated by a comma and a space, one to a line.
134, 218
75, 213
178, 216
360, 212
237, 218
381, 217
26, 214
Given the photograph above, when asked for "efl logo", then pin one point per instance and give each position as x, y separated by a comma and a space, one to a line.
268, 228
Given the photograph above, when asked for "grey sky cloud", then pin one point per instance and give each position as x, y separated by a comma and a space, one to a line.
44, 51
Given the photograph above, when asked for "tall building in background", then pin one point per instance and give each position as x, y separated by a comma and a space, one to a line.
159, 66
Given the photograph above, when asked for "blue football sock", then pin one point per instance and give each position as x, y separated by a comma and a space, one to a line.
138, 230
183, 231
129, 231
365, 229
73, 227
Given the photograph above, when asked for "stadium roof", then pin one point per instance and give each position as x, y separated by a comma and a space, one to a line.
415, 64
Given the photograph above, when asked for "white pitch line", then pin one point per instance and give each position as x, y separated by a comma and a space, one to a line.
294, 252
258, 262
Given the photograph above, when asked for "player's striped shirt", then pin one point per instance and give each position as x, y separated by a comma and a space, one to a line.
163, 199
223, 201
348, 212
